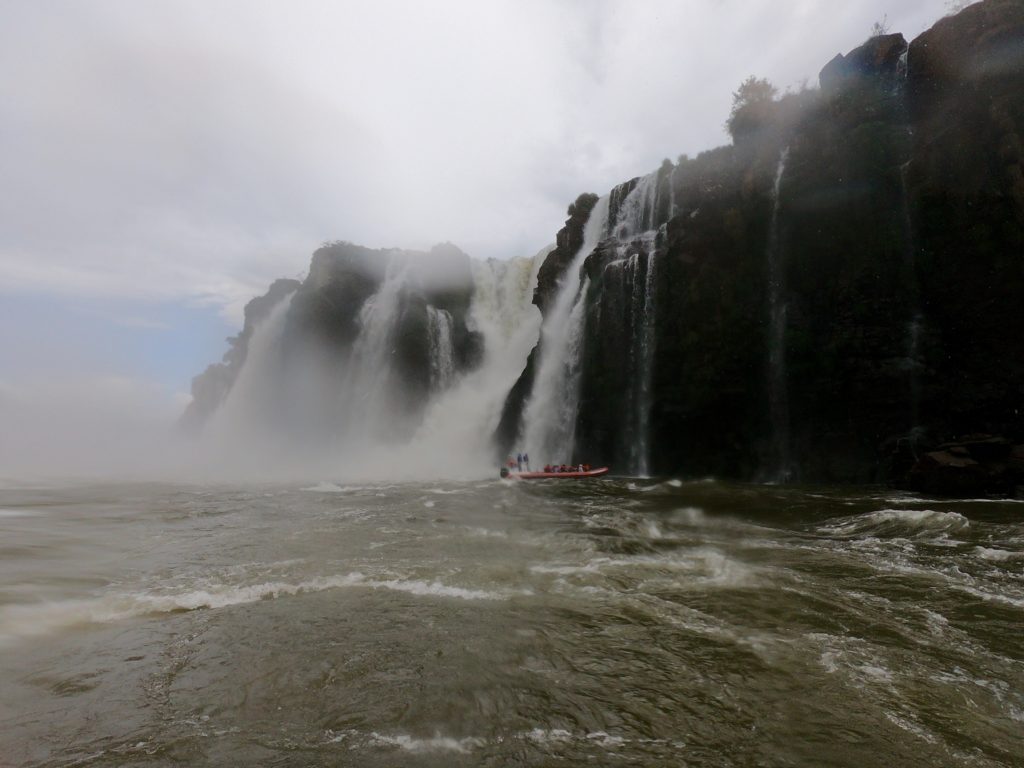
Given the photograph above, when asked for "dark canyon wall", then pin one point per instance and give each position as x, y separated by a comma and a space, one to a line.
839, 291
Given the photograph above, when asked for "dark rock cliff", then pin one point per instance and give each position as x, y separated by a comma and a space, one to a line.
840, 291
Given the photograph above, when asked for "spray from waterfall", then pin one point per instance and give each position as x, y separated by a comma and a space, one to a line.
442, 349
453, 439
778, 395
370, 390
247, 416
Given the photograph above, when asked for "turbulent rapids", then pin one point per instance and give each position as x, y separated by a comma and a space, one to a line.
506, 623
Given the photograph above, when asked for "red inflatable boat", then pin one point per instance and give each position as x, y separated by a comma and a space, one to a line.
573, 475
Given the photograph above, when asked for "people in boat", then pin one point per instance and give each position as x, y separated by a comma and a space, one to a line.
563, 468
519, 461
526, 461
586, 467
547, 468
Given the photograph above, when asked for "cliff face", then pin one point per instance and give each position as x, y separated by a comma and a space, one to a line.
836, 293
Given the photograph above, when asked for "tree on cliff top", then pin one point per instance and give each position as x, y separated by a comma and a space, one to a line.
751, 107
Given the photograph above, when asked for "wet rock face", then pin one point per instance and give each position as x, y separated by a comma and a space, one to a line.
965, 92
877, 60
899, 232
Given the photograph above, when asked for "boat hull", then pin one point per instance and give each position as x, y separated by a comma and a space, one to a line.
555, 475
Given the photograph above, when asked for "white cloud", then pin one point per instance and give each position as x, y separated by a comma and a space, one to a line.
199, 150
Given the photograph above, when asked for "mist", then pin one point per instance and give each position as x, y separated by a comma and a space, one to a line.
182, 155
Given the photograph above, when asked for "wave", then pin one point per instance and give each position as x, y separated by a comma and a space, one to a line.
20, 621
437, 743
997, 554
897, 522
324, 487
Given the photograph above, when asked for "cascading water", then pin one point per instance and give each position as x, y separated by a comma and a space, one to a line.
246, 416
368, 392
549, 420
636, 215
453, 439
442, 352
641, 275
636, 224
778, 396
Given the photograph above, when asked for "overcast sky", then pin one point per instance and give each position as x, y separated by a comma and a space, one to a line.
162, 162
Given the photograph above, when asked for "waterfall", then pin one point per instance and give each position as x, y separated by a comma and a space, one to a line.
453, 439
549, 420
778, 396
637, 213
249, 412
636, 222
641, 355
368, 393
902, 67
442, 357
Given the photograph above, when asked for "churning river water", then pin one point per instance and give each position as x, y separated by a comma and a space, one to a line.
497, 623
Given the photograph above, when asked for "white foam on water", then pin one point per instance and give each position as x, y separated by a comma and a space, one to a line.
912, 521
35, 619
605, 740
917, 500
997, 554
548, 735
428, 504
325, 487
674, 483
911, 727
594, 566
437, 743
691, 515
991, 597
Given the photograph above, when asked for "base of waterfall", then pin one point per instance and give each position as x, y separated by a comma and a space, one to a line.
574, 475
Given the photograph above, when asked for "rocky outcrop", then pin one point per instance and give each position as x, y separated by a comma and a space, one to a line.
972, 466
878, 60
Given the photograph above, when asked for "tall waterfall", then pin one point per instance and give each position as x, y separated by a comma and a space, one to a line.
369, 390
641, 276
778, 396
442, 352
454, 438
246, 416
637, 221
549, 420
